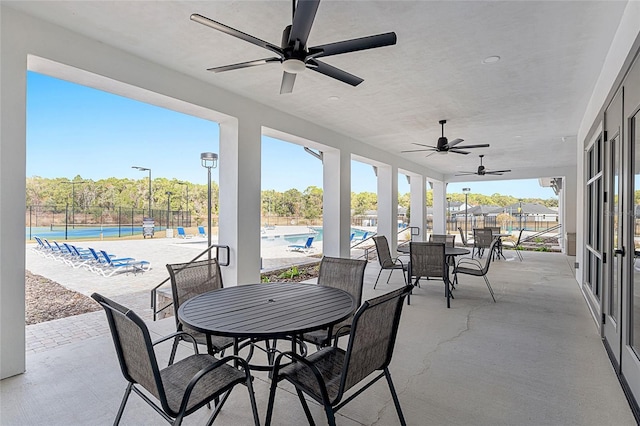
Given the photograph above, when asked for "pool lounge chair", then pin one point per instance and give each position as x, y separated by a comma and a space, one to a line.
304, 249
128, 264
202, 232
182, 233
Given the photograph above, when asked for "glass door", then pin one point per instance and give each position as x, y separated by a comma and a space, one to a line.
630, 365
612, 303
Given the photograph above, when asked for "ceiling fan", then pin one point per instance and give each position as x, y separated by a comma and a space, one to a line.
483, 171
293, 53
445, 146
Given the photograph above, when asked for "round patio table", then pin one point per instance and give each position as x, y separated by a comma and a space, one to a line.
267, 311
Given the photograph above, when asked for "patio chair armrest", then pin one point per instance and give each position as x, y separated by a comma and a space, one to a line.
472, 262
339, 335
307, 364
200, 374
182, 334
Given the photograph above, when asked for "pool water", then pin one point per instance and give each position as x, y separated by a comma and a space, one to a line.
301, 239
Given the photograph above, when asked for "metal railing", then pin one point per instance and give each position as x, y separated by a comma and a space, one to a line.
546, 238
154, 291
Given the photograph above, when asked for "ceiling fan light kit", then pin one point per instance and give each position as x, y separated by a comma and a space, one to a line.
482, 171
293, 53
444, 146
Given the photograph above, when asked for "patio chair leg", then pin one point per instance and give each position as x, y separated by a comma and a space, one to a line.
272, 397
389, 277
305, 407
122, 404
331, 417
394, 395
489, 287
174, 348
376, 283
219, 405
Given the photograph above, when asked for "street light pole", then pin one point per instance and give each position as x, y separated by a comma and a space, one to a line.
466, 207
144, 169
168, 206
520, 212
209, 160
187, 185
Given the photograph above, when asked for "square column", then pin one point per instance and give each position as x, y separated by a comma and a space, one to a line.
388, 204
13, 162
239, 227
418, 196
439, 207
336, 203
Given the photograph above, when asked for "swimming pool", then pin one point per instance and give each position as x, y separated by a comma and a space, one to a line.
300, 239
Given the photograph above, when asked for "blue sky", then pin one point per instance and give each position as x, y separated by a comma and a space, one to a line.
75, 130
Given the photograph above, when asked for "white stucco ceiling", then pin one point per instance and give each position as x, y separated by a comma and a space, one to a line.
528, 105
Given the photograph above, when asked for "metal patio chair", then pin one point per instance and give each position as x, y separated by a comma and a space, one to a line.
347, 275
189, 280
428, 260
515, 245
482, 239
386, 261
474, 267
181, 388
446, 239
328, 374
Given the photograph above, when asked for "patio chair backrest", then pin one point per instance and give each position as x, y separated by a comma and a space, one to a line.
427, 260
133, 346
446, 239
463, 237
482, 237
487, 263
382, 248
373, 335
345, 274
519, 237
192, 279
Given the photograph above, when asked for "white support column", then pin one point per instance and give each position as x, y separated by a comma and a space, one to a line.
239, 227
388, 204
439, 207
336, 203
12, 200
568, 208
418, 196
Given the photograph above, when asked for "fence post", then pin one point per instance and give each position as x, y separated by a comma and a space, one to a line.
66, 220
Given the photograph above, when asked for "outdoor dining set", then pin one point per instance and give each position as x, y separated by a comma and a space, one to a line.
320, 338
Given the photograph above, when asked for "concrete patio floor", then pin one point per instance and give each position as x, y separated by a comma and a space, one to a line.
532, 358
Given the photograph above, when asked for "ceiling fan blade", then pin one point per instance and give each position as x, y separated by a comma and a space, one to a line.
458, 151
236, 33
303, 20
434, 152
497, 172
466, 173
455, 142
353, 45
243, 65
484, 145
337, 73
287, 82
420, 150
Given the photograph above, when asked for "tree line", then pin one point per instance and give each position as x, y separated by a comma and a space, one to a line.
112, 193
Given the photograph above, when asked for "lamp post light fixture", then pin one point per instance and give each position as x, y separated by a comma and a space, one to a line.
168, 206
144, 169
448, 212
209, 160
73, 184
186, 184
466, 207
